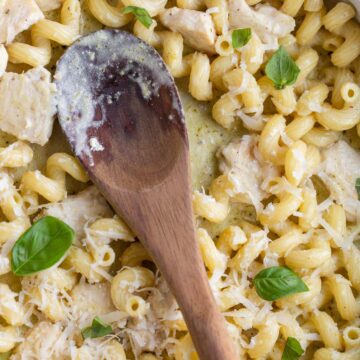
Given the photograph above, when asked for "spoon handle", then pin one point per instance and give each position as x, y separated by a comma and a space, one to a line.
204, 321
167, 231
188, 280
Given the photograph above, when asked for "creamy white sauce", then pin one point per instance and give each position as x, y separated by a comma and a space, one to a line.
95, 144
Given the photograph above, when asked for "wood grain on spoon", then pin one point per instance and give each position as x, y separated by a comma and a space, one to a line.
121, 112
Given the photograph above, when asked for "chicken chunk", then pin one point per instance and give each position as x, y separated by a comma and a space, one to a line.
78, 209
47, 5
340, 169
27, 105
196, 27
247, 173
269, 23
17, 16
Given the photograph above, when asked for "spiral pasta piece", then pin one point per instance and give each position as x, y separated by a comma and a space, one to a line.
269, 143
52, 185
284, 100
134, 255
125, 284
111, 16
99, 236
16, 155
196, 65
292, 7
338, 16
45, 31
190, 4
349, 50
339, 119
310, 27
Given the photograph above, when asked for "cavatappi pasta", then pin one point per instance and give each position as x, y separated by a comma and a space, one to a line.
275, 170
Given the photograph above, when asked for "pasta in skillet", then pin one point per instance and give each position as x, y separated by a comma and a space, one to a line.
276, 175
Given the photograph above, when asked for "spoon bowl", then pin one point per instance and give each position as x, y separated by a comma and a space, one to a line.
99, 91
121, 112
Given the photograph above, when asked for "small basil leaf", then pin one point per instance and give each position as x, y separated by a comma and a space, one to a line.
240, 37
41, 246
97, 329
282, 69
292, 350
276, 282
141, 14
357, 187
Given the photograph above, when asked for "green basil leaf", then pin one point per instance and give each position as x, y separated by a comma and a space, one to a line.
240, 37
97, 329
141, 14
41, 246
282, 69
357, 187
292, 350
276, 282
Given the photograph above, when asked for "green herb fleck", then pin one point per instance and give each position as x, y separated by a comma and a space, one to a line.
97, 329
292, 350
282, 69
240, 37
140, 14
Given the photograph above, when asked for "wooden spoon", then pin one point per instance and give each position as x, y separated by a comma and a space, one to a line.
119, 108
